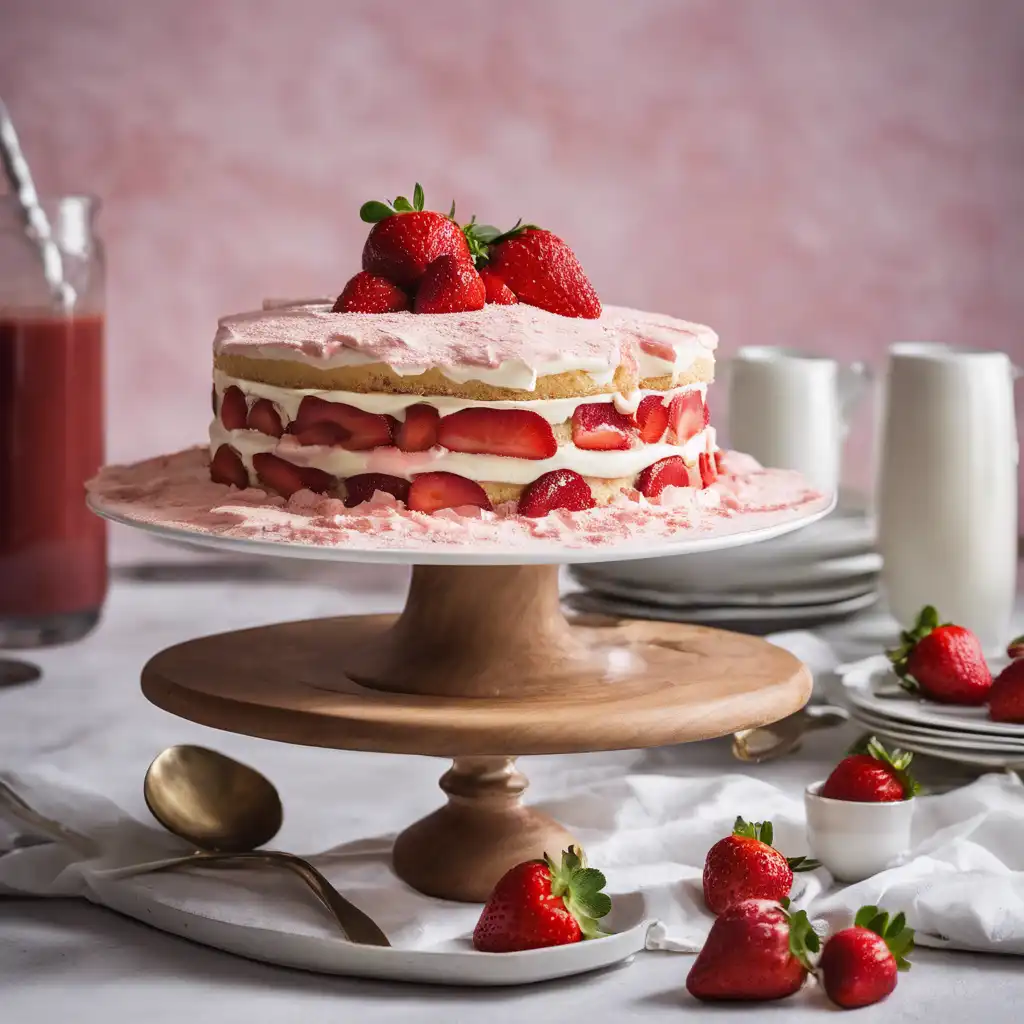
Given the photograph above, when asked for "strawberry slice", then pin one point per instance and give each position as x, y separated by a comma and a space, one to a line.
234, 410
498, 293
358, 430
561, 488
708, 468
286, 478
652, 419
543, 271
670, 472
431, 492
451, 284
324, 433
599, 426
418, 431
517, 433
226, 467
686, 416
363, 486
718, 461
264, 417
369, 293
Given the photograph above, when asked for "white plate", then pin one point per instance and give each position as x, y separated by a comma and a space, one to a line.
838, 547
454, 964
936, 737
872, 685
978, 758
756, 619
723, 533
782, 597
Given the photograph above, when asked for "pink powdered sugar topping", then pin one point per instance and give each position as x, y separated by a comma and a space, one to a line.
488, 337
175, 491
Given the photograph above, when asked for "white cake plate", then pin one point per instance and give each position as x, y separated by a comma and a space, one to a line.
480, 666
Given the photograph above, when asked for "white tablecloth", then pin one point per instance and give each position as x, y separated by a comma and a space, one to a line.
72, 961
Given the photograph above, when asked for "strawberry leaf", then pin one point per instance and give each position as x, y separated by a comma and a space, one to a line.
803, 939
374, 211
402, 205
761, 830
517, 229
451, 212
898, 760
898, 937
803, 863
865, 916
417, 197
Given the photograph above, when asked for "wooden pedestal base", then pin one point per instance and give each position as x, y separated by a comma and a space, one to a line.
461, 850
481, 665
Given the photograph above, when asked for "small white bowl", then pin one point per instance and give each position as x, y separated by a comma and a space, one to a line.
856, 840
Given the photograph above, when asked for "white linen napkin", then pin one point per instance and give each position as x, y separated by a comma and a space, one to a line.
962, 885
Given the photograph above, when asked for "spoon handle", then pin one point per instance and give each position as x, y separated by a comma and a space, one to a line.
357, 926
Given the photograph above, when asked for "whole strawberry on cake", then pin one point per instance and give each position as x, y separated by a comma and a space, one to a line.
463, 367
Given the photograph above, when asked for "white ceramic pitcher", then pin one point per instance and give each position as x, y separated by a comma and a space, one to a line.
791, 409
947, 489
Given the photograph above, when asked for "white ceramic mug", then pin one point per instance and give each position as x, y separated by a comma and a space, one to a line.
790, 409
947, 489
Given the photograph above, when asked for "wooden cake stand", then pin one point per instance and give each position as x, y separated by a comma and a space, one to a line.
480, 666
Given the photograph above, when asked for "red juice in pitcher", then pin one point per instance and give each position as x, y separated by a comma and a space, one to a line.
53, 558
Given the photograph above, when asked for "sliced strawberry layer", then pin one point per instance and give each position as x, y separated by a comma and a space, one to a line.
358, 430
324, 433
362, 487
226, 467
561, 488
264, 417
708, 468
431, 492
234, 410
670, 472
652, 419
599, 426
286, 478
517, 433
686, 416
418, 431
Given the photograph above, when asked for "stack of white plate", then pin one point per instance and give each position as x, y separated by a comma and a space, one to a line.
821, 574
872, 693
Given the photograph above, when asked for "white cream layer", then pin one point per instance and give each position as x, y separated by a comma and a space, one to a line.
340, 463
554, 410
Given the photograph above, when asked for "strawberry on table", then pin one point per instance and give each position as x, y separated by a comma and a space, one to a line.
757, 949
1006, 698
872, 776
543, 271
542, 903
450, 284
406, 239
859, 965
498, 293
559, 489
942, 661
745, 866
370, 293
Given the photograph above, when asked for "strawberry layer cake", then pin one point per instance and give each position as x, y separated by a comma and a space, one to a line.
463, 367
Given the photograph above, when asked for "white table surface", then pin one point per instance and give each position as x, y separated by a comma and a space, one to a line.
71, 961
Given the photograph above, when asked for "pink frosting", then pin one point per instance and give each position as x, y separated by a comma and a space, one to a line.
485, 338
175, 491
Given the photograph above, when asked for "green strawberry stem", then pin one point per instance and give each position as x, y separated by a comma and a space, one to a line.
803, 939
898, 760
375, 211
898, 937
1015, 648
927, 622
580, 888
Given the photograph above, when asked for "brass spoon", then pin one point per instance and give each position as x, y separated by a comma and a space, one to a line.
768, 742
227, 809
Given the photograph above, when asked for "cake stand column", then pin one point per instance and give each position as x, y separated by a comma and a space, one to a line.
462, 849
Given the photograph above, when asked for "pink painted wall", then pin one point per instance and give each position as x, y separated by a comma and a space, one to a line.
835, 175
